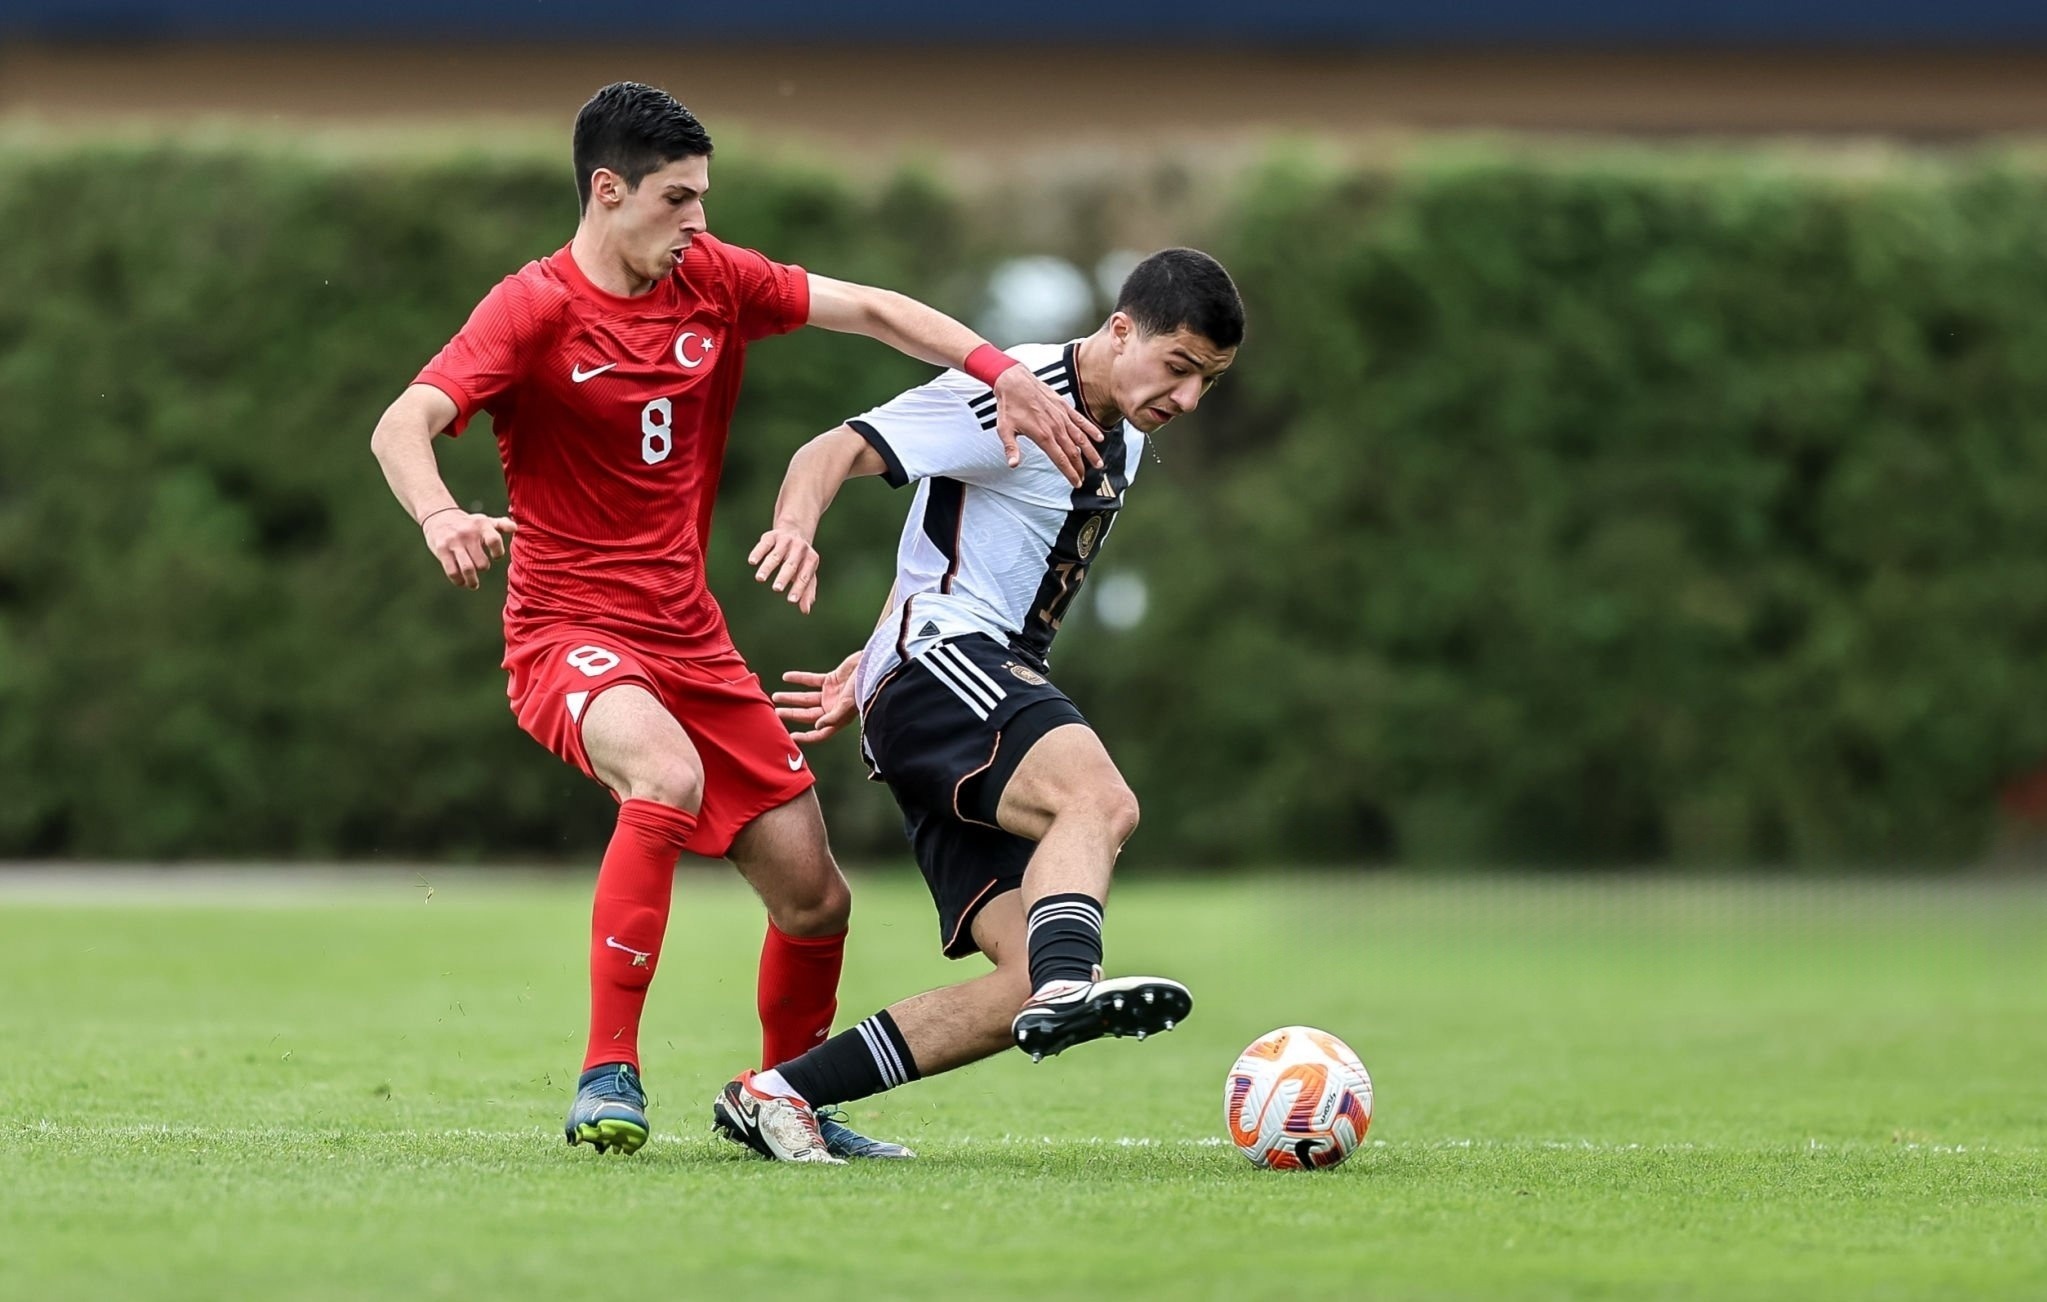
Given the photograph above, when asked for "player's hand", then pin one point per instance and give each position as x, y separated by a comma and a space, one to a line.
1026, 406
825, 706
465, 541
786, 556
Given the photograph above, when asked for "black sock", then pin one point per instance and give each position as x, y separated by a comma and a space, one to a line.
1065, 937
868, 1059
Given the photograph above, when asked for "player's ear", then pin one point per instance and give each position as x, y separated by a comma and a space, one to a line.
1121, 330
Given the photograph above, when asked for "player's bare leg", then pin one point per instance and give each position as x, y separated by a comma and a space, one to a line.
638, 750
1068, 796
786, 857
960, 1024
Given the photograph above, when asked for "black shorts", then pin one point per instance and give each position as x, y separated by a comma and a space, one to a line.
946, 731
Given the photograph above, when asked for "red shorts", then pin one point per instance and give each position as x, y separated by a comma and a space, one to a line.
750, 765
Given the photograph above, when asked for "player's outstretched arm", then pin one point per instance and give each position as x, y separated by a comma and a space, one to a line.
1024, 404
462, 541
786, 554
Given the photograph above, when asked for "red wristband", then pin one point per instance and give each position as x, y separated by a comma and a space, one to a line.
987, 362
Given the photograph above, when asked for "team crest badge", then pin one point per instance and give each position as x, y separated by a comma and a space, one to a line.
1024, 674
1090, 533
692, 349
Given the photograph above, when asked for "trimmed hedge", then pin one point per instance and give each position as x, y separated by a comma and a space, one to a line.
218, 633
1611, 507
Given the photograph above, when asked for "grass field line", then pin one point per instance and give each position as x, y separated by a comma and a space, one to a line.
271, 1134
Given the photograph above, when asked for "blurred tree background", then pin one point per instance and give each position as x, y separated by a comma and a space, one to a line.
1586, 506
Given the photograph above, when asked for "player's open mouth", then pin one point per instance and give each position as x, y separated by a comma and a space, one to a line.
1160, 416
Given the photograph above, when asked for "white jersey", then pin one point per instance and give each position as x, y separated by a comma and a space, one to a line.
987, 549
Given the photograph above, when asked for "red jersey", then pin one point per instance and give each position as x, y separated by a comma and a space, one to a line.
611, 417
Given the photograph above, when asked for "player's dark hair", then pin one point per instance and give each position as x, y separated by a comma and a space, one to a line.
1183, 287
632, 130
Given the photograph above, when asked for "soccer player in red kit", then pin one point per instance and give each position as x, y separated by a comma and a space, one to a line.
610, 369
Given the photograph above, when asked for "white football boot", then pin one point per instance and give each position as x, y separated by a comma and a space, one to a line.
1065, 1013
778, 1126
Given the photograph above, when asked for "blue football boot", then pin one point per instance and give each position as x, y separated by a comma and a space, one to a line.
610, 1109
841, 1140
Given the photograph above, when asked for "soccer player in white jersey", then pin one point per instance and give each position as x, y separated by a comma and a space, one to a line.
1014, 808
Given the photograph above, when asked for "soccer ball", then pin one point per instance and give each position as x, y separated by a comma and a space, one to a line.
1297, 1100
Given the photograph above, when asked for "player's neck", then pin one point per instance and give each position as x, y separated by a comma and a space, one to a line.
602, 265
1093, 363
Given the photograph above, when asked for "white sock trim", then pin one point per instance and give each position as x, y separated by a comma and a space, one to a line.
771, 1082
885, 1057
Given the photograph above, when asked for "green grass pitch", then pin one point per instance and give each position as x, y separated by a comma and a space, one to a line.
318, 1088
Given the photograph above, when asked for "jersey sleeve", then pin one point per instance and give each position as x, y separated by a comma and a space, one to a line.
935, 431
768, 297
490, 352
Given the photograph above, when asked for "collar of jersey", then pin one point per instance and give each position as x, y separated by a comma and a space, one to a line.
1069, 354
658, 299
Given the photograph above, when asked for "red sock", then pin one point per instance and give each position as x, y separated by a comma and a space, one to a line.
627, 921
799, 992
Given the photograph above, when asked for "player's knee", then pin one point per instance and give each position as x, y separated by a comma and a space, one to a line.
821, 906
669, 780
1107, 808
1119, 811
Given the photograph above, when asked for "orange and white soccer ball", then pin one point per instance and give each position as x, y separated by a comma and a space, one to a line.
1297, 1100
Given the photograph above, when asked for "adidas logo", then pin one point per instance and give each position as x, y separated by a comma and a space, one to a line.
930, 629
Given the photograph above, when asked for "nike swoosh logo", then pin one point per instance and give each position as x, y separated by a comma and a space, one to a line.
578, 374
795, 762
640, 956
